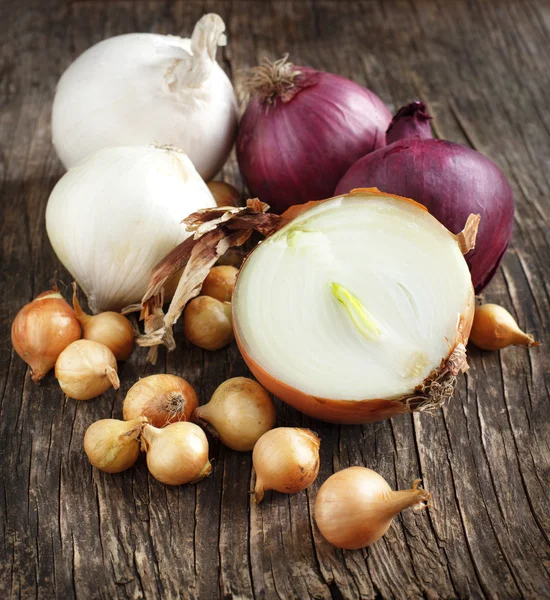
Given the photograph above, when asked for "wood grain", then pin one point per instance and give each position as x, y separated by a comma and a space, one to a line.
69, 531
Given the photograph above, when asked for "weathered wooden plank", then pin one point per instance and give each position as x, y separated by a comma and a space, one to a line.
70, 531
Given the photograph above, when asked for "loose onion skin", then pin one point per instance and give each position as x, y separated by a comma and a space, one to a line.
370, 409
42, 329
163, 399
451, 180
302, 130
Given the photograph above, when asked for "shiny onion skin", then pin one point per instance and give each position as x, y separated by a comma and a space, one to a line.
451, 180
42, 329
355, 411
301, 131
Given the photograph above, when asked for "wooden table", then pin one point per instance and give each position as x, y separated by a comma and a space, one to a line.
70, 531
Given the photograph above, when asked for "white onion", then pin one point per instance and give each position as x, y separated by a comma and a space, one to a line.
115, 216
354, 304
144, 88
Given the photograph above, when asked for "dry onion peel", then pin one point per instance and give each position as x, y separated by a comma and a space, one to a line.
215, 231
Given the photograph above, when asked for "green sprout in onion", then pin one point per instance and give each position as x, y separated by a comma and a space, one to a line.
357, 312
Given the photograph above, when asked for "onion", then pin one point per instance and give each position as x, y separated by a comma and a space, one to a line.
355, 507
224, 193
239, 413
144, 88
176, 454
357, 309
302, 130
163, 399
112, 218
452, 181
220, 282
86, 369
494, 328
108, 328
207, 323
112, 445
42, 329
286, 459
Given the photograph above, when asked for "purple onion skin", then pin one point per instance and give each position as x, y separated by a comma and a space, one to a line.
451, 181
295, 150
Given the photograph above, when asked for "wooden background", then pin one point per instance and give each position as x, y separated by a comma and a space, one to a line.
69, 531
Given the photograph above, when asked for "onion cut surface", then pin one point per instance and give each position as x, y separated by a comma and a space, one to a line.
355, 308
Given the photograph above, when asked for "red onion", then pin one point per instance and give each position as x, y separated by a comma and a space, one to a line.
452, 181
302, 130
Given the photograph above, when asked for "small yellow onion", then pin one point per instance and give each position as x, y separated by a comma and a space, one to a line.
286, 459
176, 454
494, 328
224, 193
163, 399
86, 369
42, 329
109, 328
220, 283
207, 323
355, 507
239, 413
112, 445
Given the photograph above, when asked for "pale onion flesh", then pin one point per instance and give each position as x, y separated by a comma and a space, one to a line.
115, 216
146, 88
357, 298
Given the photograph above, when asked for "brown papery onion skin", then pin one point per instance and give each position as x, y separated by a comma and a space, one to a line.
163, 399
334, 410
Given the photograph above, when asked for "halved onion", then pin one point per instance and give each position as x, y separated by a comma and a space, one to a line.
358, 309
